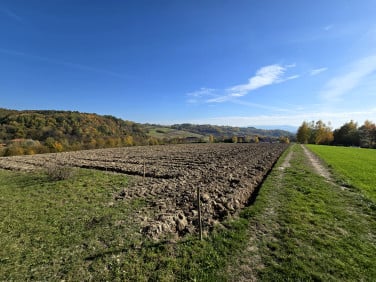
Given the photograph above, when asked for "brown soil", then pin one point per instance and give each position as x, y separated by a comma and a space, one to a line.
167, 178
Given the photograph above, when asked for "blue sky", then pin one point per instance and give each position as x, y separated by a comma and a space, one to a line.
240, 63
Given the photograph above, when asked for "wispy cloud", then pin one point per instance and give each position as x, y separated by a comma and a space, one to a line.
344, 83
199, 94
11, 14
267, 75
328, 27
259, 106
317, 71
63, 63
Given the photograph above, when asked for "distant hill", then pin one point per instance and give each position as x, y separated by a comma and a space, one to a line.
37, 131
167, 132
289, 128
229, 131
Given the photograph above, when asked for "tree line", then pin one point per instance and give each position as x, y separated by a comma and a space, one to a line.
349, 134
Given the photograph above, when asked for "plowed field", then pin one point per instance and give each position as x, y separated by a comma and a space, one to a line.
166, 179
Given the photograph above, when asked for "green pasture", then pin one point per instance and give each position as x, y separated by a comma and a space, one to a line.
355, 166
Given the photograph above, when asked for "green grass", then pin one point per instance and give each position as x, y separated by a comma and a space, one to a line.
169, 133
49, 228
305, 229
73, 230
356, 166
300, 228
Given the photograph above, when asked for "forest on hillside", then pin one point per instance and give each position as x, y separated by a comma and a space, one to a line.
34, 132
349, 134
31, 132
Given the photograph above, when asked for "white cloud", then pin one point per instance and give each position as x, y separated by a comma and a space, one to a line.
342, 84
317, 71
328, 27
201, 92
335, 118
198, 94
219, 99
291, 77
265, 76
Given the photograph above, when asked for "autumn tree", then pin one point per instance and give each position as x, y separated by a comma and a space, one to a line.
153, 141
129, 140
14, 150
304, 132
284, 140
315, 133
323, 133
367, 135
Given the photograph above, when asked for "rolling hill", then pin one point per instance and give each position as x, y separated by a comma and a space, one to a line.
41, 131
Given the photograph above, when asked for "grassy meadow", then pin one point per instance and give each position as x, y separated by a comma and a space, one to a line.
355, 166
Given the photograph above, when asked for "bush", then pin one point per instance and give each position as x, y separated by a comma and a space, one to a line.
14, 150
59, 172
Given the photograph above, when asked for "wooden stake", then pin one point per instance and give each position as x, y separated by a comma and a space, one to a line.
199, 212
144, 170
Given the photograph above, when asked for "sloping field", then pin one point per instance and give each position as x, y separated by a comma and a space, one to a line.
167, 178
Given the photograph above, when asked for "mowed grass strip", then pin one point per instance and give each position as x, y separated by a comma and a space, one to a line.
356, 166
303, 228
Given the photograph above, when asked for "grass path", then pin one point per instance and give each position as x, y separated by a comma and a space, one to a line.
304, 227
354, 167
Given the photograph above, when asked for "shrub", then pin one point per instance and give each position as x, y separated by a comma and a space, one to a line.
59, 172
13, 150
